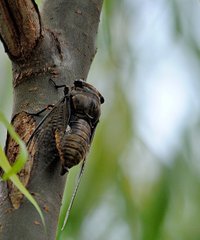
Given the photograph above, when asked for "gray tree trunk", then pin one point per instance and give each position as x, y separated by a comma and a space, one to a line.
58, 44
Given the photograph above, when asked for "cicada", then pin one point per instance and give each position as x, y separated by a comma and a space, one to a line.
69, 127
84, 103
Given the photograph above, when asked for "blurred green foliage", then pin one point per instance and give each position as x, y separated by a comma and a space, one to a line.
127, 191
165, 206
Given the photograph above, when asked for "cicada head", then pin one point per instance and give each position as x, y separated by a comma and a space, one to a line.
88, 87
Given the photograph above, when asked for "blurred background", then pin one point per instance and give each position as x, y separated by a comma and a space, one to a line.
142, 178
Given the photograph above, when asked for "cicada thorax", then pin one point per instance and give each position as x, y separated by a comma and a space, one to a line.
85, 103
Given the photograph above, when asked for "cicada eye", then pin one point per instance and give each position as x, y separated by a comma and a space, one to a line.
102, 99
78, 83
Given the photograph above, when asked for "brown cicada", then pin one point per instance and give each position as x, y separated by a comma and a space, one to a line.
70, 125
84, 103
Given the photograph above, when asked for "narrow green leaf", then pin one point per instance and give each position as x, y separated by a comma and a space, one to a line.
10, 171
4, 164
23, 154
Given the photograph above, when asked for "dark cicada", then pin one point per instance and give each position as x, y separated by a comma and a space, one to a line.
70, 125
85, 103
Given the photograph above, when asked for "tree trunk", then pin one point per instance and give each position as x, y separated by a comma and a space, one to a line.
59, 45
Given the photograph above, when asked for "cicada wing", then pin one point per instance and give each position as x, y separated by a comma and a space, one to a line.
45, 119
43, 143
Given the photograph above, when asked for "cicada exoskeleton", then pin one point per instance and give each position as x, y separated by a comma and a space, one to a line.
69, 127
85, 103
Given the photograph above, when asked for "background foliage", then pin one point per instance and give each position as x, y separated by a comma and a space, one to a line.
142, 176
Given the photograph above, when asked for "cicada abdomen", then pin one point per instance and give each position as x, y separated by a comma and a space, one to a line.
85, 103
75, 144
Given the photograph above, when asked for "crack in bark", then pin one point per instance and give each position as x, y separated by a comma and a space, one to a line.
20, 27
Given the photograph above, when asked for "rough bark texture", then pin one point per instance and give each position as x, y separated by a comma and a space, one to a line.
59, 45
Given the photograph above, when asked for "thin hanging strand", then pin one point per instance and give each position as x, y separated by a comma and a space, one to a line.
74, 194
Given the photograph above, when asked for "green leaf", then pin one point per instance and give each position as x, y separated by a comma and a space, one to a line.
23, 154
10, 172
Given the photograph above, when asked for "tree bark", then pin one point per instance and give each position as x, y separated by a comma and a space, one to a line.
59, 44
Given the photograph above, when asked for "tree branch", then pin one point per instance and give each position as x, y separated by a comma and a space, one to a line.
19, 26
75, 22
63, 51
